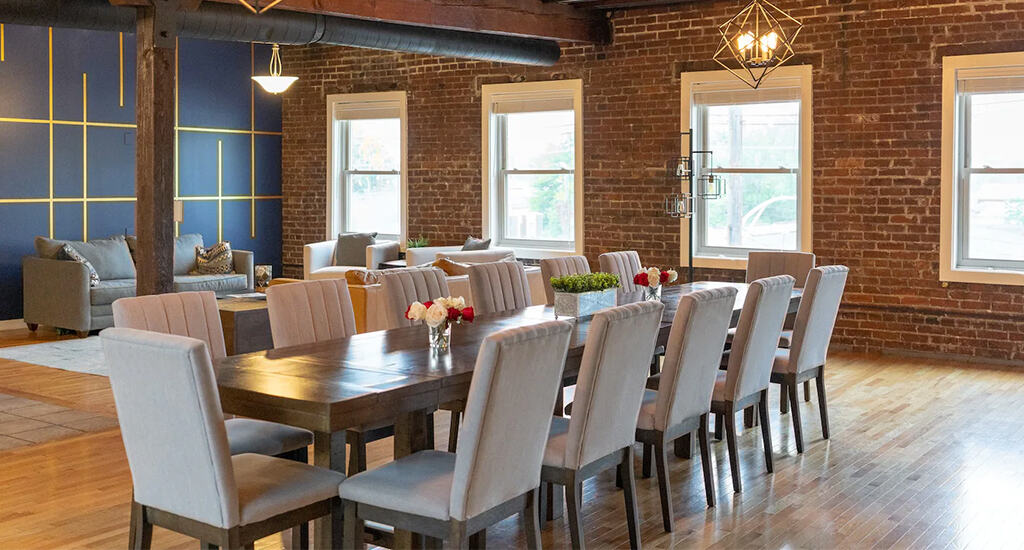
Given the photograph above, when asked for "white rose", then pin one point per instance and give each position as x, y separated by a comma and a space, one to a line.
458, 303
416, 311
653, 277
672, 275
436, 314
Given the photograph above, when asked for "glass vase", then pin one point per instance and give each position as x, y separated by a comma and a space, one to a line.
440, 336
652, 293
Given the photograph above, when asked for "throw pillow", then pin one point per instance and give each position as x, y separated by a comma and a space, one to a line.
362, 277
351, 248
68, 252
472, 243
451, 267
215, 260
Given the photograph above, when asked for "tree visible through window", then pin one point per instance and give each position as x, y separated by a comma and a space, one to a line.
372, 177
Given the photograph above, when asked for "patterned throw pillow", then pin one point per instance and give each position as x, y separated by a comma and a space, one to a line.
67, 252
213, 260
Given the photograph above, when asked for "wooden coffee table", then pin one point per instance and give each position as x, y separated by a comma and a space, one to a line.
246, 325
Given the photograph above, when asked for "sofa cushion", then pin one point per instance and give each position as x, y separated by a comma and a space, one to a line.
185, 252
351, 248
217, 283
107, 291
110, 257
333, 272
473, 243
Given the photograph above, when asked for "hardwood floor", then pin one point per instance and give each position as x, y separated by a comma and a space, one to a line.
923, 454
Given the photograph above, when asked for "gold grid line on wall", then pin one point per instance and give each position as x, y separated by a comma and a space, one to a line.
50, 200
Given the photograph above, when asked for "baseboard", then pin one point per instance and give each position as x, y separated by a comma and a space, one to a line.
12, 324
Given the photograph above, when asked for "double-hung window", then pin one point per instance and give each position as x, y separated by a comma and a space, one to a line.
760, 144
367, 164
532, 192
988, 170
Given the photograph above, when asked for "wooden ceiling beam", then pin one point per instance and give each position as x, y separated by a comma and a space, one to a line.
527, 18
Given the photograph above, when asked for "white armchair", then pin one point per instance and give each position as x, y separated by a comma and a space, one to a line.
318, 259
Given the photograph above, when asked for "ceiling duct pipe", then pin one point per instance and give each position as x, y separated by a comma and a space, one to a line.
216, 21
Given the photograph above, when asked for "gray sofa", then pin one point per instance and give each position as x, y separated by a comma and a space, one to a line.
57, 292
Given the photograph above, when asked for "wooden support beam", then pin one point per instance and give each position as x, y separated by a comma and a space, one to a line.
154, 146
528, 18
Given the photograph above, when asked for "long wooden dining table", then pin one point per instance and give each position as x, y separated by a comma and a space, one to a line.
390, 375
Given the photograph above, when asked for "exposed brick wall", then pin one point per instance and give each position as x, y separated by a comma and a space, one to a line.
877, 103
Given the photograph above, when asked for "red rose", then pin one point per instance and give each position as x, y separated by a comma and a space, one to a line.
467, 315
428, 304
453, 314
407, 312
663, 277
641, 279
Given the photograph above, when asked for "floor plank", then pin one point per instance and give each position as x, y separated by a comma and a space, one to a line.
923, 454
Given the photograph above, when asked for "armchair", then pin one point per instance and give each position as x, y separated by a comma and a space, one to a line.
318, 259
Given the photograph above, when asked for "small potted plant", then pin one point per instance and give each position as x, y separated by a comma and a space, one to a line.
652, 279
440, 315
583, 294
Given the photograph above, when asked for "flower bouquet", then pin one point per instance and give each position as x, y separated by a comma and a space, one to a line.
440, 315
652, 279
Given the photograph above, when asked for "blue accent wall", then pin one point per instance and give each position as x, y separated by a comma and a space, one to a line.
229, 144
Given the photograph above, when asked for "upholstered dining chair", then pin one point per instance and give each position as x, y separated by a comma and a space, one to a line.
682, 402
194, 314
625, 264
496, 471
315, 311
804, 360
769, 263
609, 388
404, 286
560, 267
183, 474
498, 286
745, 381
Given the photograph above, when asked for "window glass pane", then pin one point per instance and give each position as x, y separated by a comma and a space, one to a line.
755, 135
996, 217
374, 204
996, 120
374, 144
757, 211
539, 207
540, 141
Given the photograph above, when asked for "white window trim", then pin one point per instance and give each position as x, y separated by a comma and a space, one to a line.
948, 270
805, 204
335, 192
487, 92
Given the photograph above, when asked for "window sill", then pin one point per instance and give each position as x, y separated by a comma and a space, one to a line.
983, 276
719, 262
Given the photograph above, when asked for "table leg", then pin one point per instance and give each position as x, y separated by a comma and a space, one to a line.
329, 452
685, 446
410, 436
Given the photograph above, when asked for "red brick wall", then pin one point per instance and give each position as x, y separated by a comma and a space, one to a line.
877, 80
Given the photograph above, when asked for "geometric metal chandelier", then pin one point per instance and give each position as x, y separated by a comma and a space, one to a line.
756, 41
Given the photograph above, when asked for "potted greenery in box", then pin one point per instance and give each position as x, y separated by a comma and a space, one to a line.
582, 295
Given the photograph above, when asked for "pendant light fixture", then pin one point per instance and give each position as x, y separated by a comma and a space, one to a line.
756, 41
275, 83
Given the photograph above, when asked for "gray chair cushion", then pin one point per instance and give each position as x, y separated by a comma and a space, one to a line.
420, 484
248, 435
185, 252
107, 291
216, 283
473, 243
110, 257
351, 248
270, 486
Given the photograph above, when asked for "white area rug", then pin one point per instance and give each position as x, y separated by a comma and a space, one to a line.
74, 354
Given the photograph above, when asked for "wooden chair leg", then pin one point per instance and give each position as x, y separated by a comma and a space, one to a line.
734, 455
533, 517
819, 381
664, 488
798, 432
625, 470
429, 420
719, 425
453, 431
807, 391
766, 432
645, 469
352, 530
683, 446
705, 460
356, 452
140, 531
542, 495
783, 399
748, 418
573, 502
655, 365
